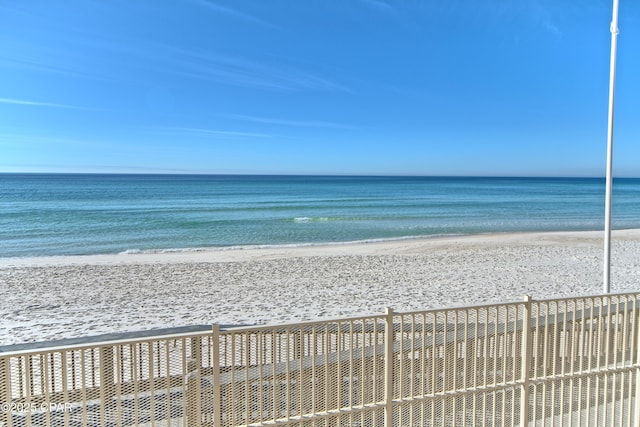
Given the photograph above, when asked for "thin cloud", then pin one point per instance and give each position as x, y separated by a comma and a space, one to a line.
36, 103
542, 16
234, 13
379, 4
215, 132
301, 123
45, 68
551, 28
247, 73
27, 138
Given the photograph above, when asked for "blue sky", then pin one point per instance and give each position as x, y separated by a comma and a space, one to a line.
447, 87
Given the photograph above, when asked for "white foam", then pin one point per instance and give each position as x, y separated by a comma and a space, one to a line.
130, 252
310, 219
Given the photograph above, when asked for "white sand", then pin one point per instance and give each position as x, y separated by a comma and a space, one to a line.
65, 297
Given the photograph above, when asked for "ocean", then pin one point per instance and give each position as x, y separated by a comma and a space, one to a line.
81, 214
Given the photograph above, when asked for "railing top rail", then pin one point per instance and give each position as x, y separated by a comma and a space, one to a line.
331, 325
635, 295
310, 325
461, 308
307, 325
105, 340
586, 297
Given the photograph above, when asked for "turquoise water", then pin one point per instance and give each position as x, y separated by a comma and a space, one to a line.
60, 214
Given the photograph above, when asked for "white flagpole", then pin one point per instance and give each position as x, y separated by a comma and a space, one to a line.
609, 179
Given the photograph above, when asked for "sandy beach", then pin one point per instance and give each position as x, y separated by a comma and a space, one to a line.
68, 297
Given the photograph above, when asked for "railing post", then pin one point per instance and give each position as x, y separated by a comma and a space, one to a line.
217, 391
389, 357
5, 392
194, 397
527, 354
107, 381
194, 385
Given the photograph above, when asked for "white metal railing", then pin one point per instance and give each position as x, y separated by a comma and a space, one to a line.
560, 362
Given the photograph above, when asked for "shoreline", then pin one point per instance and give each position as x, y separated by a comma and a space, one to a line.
230, 253
52, 298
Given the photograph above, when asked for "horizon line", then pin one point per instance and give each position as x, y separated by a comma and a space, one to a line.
346, 175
